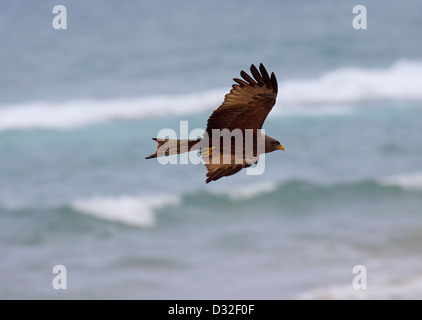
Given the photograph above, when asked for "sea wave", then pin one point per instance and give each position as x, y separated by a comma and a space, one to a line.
337, 87
297, 190
407, 287
69, 114
399, 81
247, 191
408, 181
141, 210
130, 210
143, 206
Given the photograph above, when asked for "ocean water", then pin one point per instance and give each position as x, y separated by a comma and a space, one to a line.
78, 109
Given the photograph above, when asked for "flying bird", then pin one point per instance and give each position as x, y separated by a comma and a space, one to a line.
233, 139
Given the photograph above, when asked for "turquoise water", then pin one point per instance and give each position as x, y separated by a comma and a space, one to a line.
78, 109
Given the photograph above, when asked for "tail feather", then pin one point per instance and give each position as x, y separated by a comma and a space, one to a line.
154, 155
166, 147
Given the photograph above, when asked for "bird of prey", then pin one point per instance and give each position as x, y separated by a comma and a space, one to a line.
239, 118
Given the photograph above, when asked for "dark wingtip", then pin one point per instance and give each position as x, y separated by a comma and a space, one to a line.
257, 75
247, 78
262, 68
240, 82
274, 82
265, 75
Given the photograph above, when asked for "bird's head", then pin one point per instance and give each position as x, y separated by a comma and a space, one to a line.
272, 145
280, 146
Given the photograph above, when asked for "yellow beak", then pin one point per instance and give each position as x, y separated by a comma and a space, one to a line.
280, 147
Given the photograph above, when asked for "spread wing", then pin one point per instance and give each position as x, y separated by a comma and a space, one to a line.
223, 168
217, 171
248, 103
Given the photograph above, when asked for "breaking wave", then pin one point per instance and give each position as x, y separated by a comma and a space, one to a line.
405, 181
345, 85
130, 210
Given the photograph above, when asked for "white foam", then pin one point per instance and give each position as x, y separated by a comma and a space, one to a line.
246, 191
312, 111
49, 115
408, 181
346, 85
130, 210
400, 81
401, 288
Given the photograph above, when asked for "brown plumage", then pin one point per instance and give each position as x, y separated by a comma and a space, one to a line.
246, 106
248, 103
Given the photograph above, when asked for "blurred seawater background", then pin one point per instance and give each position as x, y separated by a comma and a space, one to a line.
78, 109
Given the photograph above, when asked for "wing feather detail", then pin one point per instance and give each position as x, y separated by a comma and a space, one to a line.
248, 103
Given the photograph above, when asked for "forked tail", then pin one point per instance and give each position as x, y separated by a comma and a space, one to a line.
166, 147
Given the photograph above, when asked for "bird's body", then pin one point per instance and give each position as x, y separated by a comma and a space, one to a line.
233, 139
